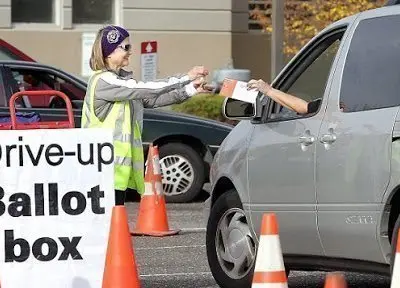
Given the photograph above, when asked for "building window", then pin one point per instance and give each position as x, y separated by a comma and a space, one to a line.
92, 11
32, 11
258, 8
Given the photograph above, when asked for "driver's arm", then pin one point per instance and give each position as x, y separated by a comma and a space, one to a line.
291, 102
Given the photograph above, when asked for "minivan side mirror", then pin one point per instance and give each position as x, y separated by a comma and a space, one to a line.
240, 110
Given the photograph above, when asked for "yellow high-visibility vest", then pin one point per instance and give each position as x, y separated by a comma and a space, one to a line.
128, 149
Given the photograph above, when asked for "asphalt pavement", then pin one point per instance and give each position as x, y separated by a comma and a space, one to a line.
181, 261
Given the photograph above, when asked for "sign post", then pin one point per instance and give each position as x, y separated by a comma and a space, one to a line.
149, 60
87, 44
278, 22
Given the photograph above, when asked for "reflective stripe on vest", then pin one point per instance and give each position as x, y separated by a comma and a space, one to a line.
128, 150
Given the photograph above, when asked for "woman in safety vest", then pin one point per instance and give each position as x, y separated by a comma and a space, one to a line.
115, 100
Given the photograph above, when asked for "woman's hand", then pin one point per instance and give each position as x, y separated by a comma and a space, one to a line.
259, 85
202, 86
198, 82
205, 88
197, 72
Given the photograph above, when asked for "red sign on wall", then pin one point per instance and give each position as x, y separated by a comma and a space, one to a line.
149, 60
149, 47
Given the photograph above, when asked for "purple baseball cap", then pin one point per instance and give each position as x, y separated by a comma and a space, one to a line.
112, 37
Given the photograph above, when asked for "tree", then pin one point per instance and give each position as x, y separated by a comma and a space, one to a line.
305, 18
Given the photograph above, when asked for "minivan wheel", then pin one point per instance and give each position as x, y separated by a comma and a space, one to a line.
183, 172
230, 245
393, 242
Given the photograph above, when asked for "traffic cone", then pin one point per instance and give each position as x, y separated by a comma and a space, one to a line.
120, 269
335, 280
395, 282
152, 217
269, 270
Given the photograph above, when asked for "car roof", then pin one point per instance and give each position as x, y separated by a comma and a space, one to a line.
41, 65
27, 63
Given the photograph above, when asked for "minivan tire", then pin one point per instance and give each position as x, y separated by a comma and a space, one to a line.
225, 202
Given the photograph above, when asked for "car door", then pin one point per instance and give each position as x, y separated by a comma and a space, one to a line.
281, 156
354, 144
31, 78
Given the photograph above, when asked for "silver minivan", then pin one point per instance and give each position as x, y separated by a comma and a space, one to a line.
332, 177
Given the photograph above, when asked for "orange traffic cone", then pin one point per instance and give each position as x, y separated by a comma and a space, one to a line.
120, 269
395, 282
269, 270
335, 280
152, 217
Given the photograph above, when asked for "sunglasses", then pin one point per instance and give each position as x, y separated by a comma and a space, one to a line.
126, 47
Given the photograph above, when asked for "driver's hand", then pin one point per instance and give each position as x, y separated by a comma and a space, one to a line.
259, 85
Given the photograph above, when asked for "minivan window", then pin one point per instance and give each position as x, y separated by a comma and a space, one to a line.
313, 73
371, 76
311, 83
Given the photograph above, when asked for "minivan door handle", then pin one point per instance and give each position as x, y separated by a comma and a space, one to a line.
328, 138
307, 139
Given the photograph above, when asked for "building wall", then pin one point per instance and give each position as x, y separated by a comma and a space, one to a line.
189, 32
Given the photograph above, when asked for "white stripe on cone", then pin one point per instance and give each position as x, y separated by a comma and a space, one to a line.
159, 188
396, 275
148, 189
269, 285
269, 259
269, 255
156, 165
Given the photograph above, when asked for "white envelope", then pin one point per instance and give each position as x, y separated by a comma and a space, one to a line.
238, 90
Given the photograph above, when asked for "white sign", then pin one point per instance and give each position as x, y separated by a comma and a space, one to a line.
148, 61
56, 199
87, 44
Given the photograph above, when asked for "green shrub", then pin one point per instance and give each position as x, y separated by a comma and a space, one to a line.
204, 105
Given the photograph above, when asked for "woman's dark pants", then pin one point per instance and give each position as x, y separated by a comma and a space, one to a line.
120, 197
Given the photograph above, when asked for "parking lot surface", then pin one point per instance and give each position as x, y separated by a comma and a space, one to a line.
181, 261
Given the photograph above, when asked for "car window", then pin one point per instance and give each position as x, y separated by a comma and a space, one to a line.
371, 76
309, 79
32, 80
3, 101
311, 83
5, 55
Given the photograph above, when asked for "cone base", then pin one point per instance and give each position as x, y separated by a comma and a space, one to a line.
152, 218
117, 279
155, 233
